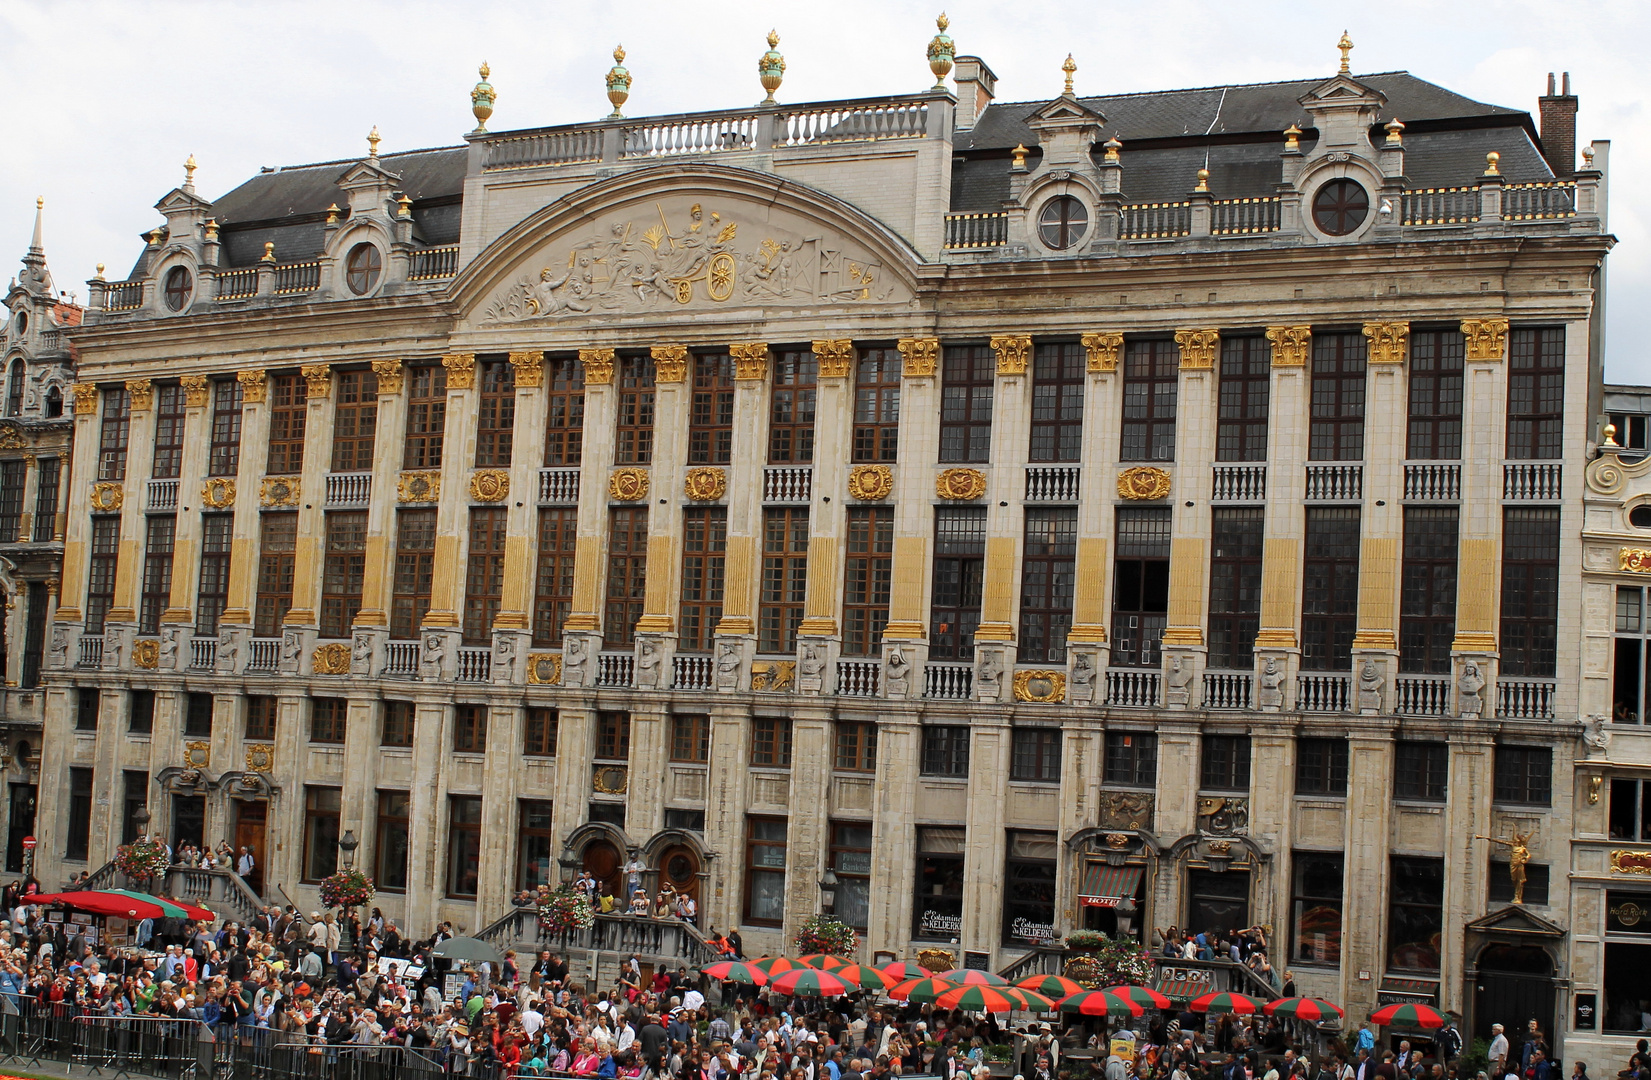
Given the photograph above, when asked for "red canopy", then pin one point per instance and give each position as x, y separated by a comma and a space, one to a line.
122, 904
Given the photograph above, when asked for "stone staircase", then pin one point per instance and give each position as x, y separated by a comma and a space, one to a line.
595, 954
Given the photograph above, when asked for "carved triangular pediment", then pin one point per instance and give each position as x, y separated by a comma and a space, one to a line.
367, 173
1063, 111
1517, 921
1342, 90
179, 199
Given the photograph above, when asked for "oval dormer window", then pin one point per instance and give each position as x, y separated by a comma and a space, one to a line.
1640, 517
180, 286
1340, 207
362, 268
1062, 222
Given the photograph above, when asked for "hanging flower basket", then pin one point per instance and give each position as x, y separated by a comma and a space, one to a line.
823, 934
565, 910
1122, 962
141, 860
347, 888
1086, 941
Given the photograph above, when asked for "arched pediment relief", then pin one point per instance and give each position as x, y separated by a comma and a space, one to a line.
707, 238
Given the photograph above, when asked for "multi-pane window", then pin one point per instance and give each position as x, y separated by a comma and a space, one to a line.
945, 750
470, 729
484, 573
613, 736
1321, 766
100, 574
765, 871
397, 725
426, 417
553, 591
113, 434
791, 408
415, 571
536, 846
711, 410
627, 574
343, 572
784, 579
704, 559
771, 742
213, 591
856, 747
633, 379
224, 457
1530, 590
1420, 770
78, 836
1058, 373
968, 375
691, 738
390, 841
14, 388
1630, 810
867, 573
1628, 673
1524, 774
1226, 763
1246, 388
1536, 392
1235, 585
1436, 380
13, 475
1330, 588
354, 421
937, 906
495, 411
322, 807
260, 717
88, 700
851, 859
327, 719
277, 553
197, 715
45, 499
288, 407
1131, 759
1427, 605
464, 844
1140, 589
1035, 754
877, 405
1415, 913
1336, 430
169, 420
539, 732
1152, 372
564, 412
1317, 902
959, 580
1046, 583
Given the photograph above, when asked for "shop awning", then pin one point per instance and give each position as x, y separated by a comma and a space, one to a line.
1107, 886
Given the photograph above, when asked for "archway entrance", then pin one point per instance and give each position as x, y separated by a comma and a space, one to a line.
604, 863
679, 868
250, 819
1515, 985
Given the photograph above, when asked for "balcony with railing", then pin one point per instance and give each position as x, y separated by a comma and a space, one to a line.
948, 682
1324, 693
294, 278
1432, 481
163, 496
1440, 206
787, 484
1335, 483
1155, 221
1245, 217
615, 668
1421, 695
475, 664
858, 678
1532, 481
433, 264
123, 296
263, 655
1228, 689
1544, 201
558, 487
1239, 483
349, 489
1525, 699
237, 284
1132, 688
401, 659
1052, 483
692, 671
965, 231
90, 654
203, 653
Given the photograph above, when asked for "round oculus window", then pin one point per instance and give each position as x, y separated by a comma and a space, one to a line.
180, 286
1340, 207
22, 323
1640, 517
1062, 222
362, 268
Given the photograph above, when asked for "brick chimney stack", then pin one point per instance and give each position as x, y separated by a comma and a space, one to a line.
976, 87
1558, 114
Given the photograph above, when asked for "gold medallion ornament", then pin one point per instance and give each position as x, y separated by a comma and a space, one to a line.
1043, 687
254, 386
279, 491
461, 370
835, 358
260, 757
1631, 862
598, 365
705, 484
629, 485
333, 659
1198, 348
670, 363
544, 669
530, 368
775, 676
750, 359
1634, 560
388, 373
1486, 339
1012, 350
490, 486
870, 483
922, 355
1290, 344
195, 389
1143, 482
141, 393
317, 380
936, 960
417, 487
960, 485
197, 755
218, 493
1389, 342
1103, 350
107, 496
146, 653
610, 779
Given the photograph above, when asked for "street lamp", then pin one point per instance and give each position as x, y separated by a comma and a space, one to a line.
828, 891
346, 934
348, 846
141, 820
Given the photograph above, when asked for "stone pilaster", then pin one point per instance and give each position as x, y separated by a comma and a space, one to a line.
1479, 543
1011, 431
596, 462
673, 399
820, 635
743, 563
807, 829
913, 480
1278, 643
246, 529
312, 515
520, 565
78, 482
990, 742
496, 866
1364, 888
1272, 821
453, 511
1184, 642
1381, 548
427, 810
726, 799
894, 833
1102, 416
389, 436
186, 543
1467, 859
140, 456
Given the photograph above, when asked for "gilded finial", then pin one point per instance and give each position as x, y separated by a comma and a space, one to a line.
40, 201
1020, 157
155, 237
1203, 180
373, 139
99, 272
332, 214
482, 97
1112, 147
1292, 139
1491, 160
212, 230
1071, 68
942, 51
1395, 132
404, 206
269, 251
1346, 47
771, 67
619, 82
1587, 157
189, 172
1610, 434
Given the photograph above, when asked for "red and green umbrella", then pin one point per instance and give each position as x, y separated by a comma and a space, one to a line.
736, 971
1304, 1008
822, 961
773, 965
993, 999
1051, 986
866, 978
902, 970
1242, 1004
1141, 995
922, 989
123, 903
810, 982
1408, 1015
1099, 1003
975, 977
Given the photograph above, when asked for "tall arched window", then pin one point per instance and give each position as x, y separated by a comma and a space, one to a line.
54, 403
14, 388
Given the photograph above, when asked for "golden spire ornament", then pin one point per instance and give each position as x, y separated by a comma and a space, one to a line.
1346, 47
1292, 140
771, 68
189, 168
942, 51
373, 139
619, 82
1071, 68
482, 97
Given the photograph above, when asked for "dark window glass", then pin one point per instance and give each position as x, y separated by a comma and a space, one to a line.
14, 388
711, 410
945, 751
784, 579
539, 735
135, 797
197, 716
613, 736
397, 724
634, 430
1336, 432
704, 563
495, 411
937, 909
327, 719
1628, 662
160, 532
213, 591
1246, 387
87, 701
1536, 393
1058, 375
1131, 759
142, 721
1427, 611
553, 590
691, 738
415, 571
968, 375
771, 742
877, 405
101, 569
1435, 395
1330, 588
260, 717
765, 847
277, 555
565, 412
1501, 888
77, 838
851, 859
426, 417
856, 747
484, 574
1420, 771
180, 286
1317, 903
13, 475
627, 574
1226, 763
1321, 766
1046, 584
344, 571
1029, 878
45, 500
1235, 585
288, 408
1152, 374
959, 579
464, 844
225, 457
1524, 774
1630, 811
390, 841
355, 421
322, 806
169, 420
1530, 590
867, 573
1140, 586
113, 434
1415, 914
1036, 755
470, 729
791, 408
536, 846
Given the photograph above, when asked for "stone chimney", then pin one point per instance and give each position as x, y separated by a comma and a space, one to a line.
976, 87
1558, 113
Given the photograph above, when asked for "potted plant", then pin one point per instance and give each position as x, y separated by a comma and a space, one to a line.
1123, 962
1086, 941
824, 934
346, 889
565, 910
142, 860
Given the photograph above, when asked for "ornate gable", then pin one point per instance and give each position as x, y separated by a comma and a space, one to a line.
1516, 922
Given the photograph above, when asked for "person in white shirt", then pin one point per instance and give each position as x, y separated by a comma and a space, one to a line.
243, 866
532, 1019
627, 1036
693, 1000
1498, 1052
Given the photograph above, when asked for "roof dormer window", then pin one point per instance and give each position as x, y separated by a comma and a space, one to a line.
180, 286
1062, 222
362, 268
1340, 207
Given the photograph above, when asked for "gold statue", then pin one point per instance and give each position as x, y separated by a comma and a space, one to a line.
1519, 853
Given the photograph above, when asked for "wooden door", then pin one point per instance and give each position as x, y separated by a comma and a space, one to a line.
250, 821
679, 868
602, 860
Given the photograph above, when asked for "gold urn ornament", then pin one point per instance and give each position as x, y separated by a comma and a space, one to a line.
619, 82
483, 97
941, 53
771, 68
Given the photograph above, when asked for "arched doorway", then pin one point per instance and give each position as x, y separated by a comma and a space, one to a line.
679, 868
1515, 985
601, 859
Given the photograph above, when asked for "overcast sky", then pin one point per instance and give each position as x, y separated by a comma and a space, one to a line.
106, 100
